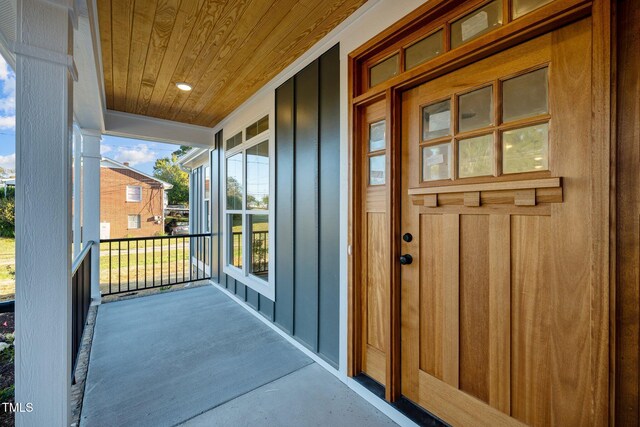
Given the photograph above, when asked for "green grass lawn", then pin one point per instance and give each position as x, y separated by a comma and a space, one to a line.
173, 265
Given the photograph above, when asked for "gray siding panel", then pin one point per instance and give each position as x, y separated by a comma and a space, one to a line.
329, 280
266, 307
252, 298
307, 158
241, 290
306, 207
285, 128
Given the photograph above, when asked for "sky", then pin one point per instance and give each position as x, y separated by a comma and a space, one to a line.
140, 154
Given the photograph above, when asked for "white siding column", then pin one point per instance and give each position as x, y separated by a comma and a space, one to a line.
77, 193
44, 103
91, 140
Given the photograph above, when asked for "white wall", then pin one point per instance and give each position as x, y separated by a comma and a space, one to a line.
365, 23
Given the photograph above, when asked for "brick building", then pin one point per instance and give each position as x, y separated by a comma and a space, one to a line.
131, 202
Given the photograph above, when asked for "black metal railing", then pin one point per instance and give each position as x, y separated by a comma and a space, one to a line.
80, 298
8, 306
259, 251
134, 264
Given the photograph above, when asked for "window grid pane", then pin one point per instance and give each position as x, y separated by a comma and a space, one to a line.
259, 250
258, 176
235, 240
475, 109
522, 7
436, 164
526, 149
377, 170
133, 222
134, 193
234, 141
234, 182
525, 96
476, 23
475, 156
383, 71
377, 136
436, 120
424, 50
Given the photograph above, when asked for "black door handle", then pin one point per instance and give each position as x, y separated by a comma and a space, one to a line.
406, 259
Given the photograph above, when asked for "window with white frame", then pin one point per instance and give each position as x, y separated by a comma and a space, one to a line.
247, 207
133, 222
134, 193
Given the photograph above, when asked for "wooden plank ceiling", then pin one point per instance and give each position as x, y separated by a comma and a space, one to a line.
225, 49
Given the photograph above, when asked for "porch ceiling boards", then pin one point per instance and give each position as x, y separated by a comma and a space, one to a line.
225, 49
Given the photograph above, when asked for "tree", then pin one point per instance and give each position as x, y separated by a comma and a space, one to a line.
169, 170
184, 149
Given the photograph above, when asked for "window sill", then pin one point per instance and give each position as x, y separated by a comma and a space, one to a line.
265, 289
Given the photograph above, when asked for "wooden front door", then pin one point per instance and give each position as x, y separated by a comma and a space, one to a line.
497, 318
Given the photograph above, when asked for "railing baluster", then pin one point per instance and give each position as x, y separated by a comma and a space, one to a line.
128, 266
177, 252
184, 255
137, 264
198, 254
119, 265
109, 267
169, 261
145, 263
161, 261
153, 245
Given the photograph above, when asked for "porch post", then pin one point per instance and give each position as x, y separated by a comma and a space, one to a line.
44, 104
77, 193
91, 203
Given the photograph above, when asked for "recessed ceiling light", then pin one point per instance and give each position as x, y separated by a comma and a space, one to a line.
184, 86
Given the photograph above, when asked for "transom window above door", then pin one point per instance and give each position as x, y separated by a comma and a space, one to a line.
499, 128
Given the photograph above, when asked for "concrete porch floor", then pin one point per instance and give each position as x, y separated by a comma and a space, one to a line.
196, 358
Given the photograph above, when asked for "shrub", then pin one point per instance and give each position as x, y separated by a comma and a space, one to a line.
7, 217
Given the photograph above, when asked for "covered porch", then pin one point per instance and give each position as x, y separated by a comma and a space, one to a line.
196, 357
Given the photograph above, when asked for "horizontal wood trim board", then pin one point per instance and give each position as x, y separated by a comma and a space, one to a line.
529, 197
489, 186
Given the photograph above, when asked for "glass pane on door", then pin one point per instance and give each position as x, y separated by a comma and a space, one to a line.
526, 149
475, 109
377, 136
436, 162
377, 169
525, 96
475, 156
436, 120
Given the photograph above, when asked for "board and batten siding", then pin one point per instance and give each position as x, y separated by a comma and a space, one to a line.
306, 210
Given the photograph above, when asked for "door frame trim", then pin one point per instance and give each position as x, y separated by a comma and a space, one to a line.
434, 13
